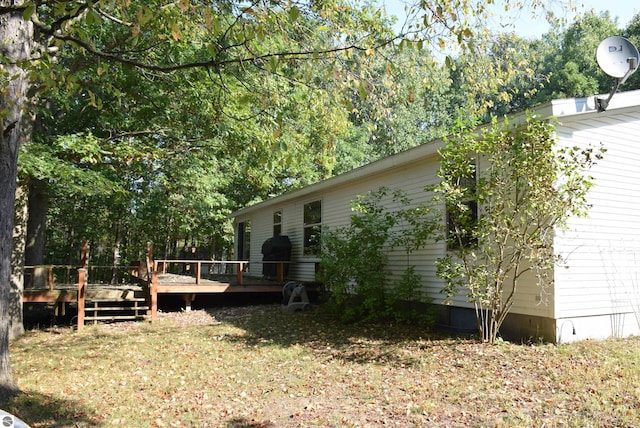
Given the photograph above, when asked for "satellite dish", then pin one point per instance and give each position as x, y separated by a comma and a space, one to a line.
619, 58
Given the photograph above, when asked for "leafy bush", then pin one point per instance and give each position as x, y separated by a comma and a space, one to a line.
354, 261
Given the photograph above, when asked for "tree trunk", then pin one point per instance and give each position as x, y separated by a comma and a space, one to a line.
16, 37
36, 229
116, 253
16, 324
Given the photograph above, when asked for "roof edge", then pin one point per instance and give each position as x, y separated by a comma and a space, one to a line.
559, 108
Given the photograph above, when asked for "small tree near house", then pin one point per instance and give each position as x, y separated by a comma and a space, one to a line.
506, 190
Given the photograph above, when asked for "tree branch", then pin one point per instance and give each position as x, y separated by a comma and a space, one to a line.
57, 24
213, 63
6, 10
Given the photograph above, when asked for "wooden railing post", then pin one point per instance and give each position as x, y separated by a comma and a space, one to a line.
280, 272
197, 272
82, 287
153, 288
240, 268
50, 277
150, 264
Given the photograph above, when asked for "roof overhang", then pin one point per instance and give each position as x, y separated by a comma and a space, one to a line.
561, 108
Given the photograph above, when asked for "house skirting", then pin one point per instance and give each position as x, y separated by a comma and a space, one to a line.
534, 329
517, 327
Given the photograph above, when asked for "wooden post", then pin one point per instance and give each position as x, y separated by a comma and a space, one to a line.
188, 298
153, 286
280, 272
82, 285
150, 266
240, 268
197, 272
84, 255
50, 277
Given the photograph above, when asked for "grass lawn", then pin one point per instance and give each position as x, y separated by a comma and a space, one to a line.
255, 366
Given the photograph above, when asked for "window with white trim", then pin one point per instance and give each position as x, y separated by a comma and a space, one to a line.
312, 228
277, 223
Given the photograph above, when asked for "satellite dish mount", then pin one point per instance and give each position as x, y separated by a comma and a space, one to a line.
619, 58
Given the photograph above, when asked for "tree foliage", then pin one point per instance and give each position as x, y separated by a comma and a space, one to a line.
568, 58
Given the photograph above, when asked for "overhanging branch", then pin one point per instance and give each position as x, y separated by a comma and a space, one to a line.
214, 63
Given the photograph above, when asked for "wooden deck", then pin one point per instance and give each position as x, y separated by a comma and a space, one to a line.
186, 286
173, 283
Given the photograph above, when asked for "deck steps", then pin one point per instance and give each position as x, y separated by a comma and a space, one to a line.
130, 309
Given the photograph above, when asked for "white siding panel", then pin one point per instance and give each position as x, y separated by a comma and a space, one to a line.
336, 212
603, 249
261, 230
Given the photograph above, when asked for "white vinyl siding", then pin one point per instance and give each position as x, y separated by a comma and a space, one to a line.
336, 212
603, 249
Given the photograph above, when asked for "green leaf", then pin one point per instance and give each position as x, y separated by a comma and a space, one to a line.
364, 89
294, 13
28, 11
273, 63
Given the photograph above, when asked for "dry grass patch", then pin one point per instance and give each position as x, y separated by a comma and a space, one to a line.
258, 367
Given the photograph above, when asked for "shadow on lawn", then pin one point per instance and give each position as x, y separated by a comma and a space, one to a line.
316, 329
244, 423
39, 410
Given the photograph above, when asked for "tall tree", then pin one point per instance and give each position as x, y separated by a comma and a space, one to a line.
570, 61
15, 50
632, 32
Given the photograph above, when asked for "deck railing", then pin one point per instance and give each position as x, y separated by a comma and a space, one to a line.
48, 276
194, 267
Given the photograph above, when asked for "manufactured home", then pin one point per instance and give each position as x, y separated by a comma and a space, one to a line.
595, 295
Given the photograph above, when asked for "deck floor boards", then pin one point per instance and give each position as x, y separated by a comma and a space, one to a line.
174, 283
167, 284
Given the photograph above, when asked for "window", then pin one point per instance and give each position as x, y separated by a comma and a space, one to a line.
277, 223
312, 228
463, 218
244, 240
461, 222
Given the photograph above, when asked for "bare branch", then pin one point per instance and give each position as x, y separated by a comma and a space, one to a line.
57, 24
111, 18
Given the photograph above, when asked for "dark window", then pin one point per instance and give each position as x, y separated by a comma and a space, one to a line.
461, 225
277, 223
312, 228
244, 240
462, 220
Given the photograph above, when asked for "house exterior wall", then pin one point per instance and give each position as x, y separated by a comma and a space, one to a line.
597, 294
412, 178
336, 211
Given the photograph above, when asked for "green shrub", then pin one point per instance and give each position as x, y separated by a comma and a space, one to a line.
354, 262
